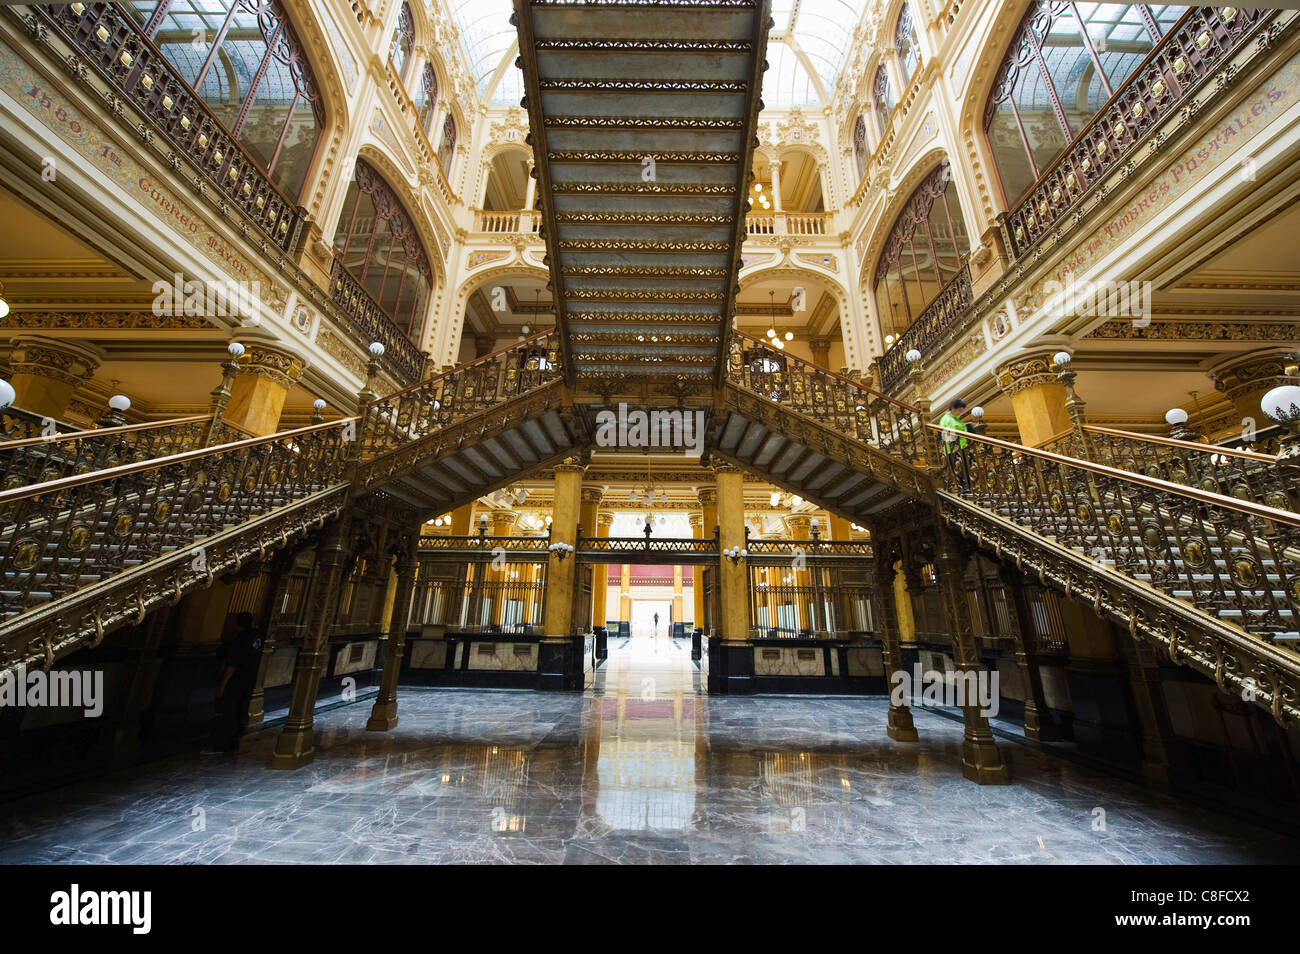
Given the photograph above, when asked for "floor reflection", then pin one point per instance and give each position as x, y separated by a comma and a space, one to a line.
642, 767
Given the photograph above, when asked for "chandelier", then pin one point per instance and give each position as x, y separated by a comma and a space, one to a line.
649, 492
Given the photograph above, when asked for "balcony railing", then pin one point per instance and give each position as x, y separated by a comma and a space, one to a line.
112, 45
373, 324
520, 221
787, 223
942, 319
1184, 59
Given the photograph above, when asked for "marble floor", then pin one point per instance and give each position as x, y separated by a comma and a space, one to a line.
642, 767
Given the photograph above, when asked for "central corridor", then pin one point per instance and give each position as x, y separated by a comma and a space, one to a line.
642, 767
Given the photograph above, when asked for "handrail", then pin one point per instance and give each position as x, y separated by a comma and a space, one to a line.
839, 377
1186, 445
140, 467
1154, 483
101, 432
461, 367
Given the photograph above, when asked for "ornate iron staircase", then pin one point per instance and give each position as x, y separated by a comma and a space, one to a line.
1195, 552
643, 119
83, 550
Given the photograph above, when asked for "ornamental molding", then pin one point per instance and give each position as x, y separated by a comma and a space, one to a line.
274, 364
68, 362
1025, 373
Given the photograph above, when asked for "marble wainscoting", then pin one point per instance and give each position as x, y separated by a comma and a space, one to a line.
642, 767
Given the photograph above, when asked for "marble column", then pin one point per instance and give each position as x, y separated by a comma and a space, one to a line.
383, 715
708, 498
560, 575
625, 595
733, 576
1038, 399
264, 376
981, 762
697, 572
678, 606
900, 726
1245, 378
46, 371
799, 527
600, 574
495, 580
296, 744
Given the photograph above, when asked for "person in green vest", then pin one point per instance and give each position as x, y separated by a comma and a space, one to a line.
954, 446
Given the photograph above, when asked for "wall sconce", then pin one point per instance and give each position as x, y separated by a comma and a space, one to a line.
561, 550
736, 554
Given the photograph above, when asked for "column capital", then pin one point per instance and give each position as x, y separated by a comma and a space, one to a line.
708, 497
593, 495
1243, 374
696, 521
68, 362
605, 520
271, 362
1025, 372
570, 465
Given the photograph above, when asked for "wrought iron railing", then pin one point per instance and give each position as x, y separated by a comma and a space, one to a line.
113, 46
1232, 472
784, 551
373, 324
480, 543
687, 546
39, 459
1237, 560
853, 409
17, 424
63, 535
420, 410
934, 329
1184, 59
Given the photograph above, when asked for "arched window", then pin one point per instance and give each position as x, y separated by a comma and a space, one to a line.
926, 249
907, 45
1065, 61
377, 243
426, 103
244, 61
882, 98
447, 149
403, 43
860, 151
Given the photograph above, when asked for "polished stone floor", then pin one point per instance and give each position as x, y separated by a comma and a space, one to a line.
642, 767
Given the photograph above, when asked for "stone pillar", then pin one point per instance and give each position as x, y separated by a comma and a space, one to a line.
697, 572
1038, 719
981, 762
1038, 399
296, 745
564, 529
677, 594
900, 726
264, 376
484, 345
799, 527
625, 595
1245, 378
600, 575
821, 352
733, 576
502, 525
559, 658
775, 166
46, 371
383, 715
708, 498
